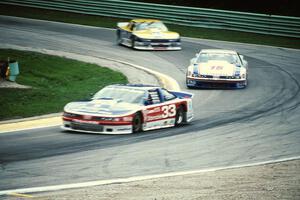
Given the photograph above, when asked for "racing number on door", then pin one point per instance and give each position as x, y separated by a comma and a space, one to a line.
169, 111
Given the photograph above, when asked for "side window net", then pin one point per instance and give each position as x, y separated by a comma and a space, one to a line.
153, 96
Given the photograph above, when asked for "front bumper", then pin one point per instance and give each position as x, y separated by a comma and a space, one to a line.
91, 127
156, 45
215, 83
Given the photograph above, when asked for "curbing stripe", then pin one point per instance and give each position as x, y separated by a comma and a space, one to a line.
21, 195
25, 125
137, 178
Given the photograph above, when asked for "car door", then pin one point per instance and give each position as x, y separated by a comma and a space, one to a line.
158, 113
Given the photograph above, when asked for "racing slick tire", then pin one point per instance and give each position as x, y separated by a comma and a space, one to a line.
180, 116
137, 123
119, 39
186, 83
132, 42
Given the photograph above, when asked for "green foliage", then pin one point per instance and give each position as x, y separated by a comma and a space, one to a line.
236, 36
109, 22
55, 81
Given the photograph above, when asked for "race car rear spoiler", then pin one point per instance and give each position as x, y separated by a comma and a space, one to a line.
182, 95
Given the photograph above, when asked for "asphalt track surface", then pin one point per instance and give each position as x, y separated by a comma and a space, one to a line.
231, 127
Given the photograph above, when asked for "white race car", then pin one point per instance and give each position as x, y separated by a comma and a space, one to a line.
213, 68
128, 108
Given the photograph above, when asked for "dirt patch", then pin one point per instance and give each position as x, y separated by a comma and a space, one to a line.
10, 84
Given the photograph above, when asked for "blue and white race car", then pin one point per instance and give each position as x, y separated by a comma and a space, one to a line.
129, 108
212, 68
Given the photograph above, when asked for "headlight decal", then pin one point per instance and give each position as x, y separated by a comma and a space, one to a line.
237, 73
195, 70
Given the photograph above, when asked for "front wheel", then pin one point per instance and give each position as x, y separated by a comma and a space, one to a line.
119, 39
132, 42
137, 123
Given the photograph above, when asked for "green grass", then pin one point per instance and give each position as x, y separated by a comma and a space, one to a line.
55, 81
234, 36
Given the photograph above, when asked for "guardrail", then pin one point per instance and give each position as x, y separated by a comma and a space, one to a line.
187, 16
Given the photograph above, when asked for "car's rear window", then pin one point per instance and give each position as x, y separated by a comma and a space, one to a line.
231, 58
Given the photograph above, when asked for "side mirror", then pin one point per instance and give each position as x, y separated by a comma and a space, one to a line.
245, 62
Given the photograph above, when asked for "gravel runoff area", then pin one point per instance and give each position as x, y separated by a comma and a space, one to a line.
270, 181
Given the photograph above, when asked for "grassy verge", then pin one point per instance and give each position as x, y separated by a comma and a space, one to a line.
91, 20
54, 80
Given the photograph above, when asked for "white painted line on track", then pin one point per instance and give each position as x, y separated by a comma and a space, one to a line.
136, 178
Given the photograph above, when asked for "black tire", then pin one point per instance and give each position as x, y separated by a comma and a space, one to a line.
186, 83
119, 39
137, 122
180, 116
132, 42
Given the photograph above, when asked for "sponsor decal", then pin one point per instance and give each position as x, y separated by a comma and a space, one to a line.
159, 124
160, 48
87, 117
123, 129
157, 109
82, 121
163, 112
155, 117
216, 67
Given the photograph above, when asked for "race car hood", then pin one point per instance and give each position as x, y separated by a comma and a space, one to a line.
102, 107
156, 34
217, 68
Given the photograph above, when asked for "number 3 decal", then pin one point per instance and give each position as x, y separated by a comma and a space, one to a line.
169, 111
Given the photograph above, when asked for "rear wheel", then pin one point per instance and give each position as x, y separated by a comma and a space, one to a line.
137, 123
180, 116
132, 42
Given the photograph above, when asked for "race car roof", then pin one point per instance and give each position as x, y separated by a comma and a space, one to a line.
145, 20
135, 86
218, 51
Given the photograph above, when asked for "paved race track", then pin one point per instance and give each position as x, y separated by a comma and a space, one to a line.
231, 127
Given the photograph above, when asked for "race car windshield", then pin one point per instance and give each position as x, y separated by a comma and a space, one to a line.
231, 58
121, 94
151, 25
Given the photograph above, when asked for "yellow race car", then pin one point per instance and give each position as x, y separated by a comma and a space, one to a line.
147, 34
